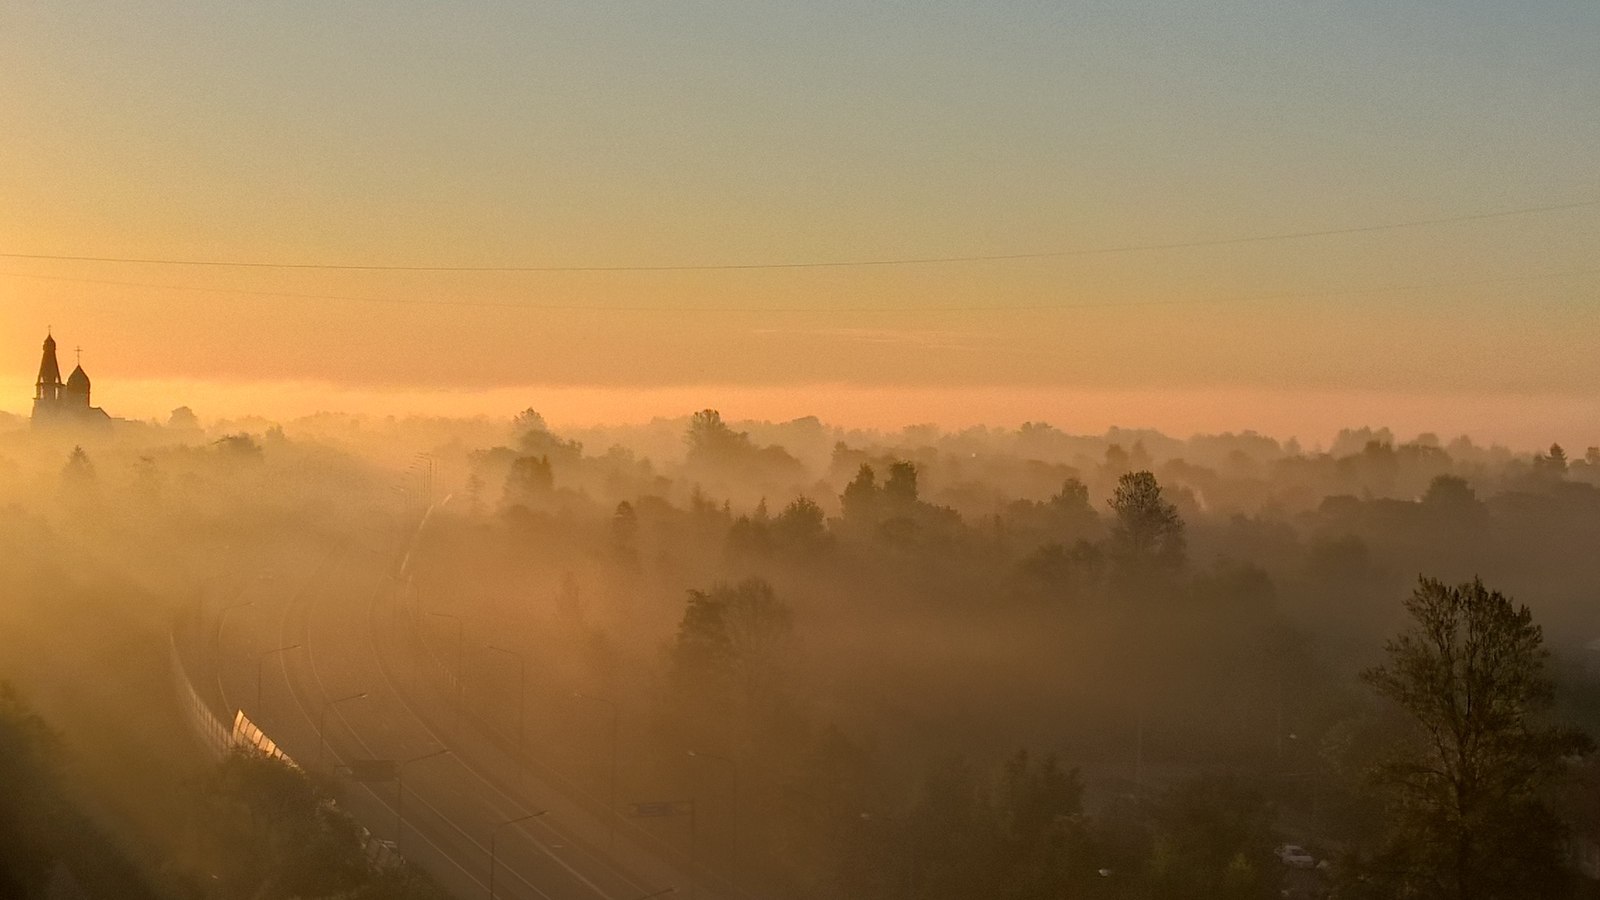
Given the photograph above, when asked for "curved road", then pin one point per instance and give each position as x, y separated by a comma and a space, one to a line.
453, 801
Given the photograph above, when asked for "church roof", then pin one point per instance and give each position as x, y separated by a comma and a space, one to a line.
49, 371
78, 378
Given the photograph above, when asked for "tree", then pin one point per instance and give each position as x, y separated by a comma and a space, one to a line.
711, 440
239, 446
529, 481
1450, 492
1211, 838
32, 816
1044, 845
1557, 458
78, 470
183, 419
900, 489
273, 834
1060, 572
800, 527
733, 634
1072, 499
1552, 464
1467, 788
625, 530
859, 501
1148, 531
534, 438
528, 420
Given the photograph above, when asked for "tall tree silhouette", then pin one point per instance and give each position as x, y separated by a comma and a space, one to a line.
1148, 533
1466, 788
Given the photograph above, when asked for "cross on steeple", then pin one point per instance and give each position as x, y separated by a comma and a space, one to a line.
79, 351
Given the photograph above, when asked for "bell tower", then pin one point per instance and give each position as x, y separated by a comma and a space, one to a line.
47, 391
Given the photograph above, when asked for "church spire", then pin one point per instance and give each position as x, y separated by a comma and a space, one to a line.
49, 384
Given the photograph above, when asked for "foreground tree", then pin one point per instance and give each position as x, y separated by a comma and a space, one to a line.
1467, 790
32, 813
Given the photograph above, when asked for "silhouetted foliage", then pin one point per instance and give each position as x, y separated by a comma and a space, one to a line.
732, 634
529, 481
1147, 535
1212, 837
32, 814
239, 446
1467, 806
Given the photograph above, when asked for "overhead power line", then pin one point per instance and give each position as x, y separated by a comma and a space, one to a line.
952, 308
828, 264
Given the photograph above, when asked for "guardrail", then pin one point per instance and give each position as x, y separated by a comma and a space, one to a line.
207, 728
219, 740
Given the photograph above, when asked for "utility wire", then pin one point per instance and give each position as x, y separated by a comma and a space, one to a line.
1021, 308
829, 264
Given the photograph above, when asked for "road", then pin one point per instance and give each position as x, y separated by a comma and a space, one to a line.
346, 622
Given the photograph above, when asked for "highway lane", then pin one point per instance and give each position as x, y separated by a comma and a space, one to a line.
450, 807
583, 830
527, 854
282, 713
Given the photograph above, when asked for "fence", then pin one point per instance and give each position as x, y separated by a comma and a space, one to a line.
203, 722
219, 740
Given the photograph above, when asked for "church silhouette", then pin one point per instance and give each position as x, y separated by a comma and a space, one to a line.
63, 403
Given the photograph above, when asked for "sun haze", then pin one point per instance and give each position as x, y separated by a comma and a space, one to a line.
725, 134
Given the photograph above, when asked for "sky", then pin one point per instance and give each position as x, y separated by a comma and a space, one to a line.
633, 134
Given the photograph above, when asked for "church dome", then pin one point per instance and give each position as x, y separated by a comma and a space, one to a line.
78, 380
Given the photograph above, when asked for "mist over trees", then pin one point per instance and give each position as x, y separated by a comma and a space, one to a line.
1015, 663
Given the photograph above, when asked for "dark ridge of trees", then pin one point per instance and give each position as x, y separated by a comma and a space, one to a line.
44, 835
1173, 628
266, 830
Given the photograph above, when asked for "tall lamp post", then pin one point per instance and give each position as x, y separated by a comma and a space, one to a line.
733, 768
261, 662
425, 475
400, 790
222, 618
611, 776
322, 721
495, 834
522, 693
460, 631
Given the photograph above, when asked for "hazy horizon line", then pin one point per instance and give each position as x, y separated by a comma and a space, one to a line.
1521, 420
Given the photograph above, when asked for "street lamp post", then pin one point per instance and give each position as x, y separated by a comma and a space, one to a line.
733, 768
425, 475
460, 631
222, 618
322, 721
611, 775
495, 834
522, 693
400, 790
261, 662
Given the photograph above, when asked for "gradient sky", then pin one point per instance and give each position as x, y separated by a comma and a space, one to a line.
598, 134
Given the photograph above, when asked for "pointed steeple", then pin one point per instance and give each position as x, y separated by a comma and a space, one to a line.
49, 384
